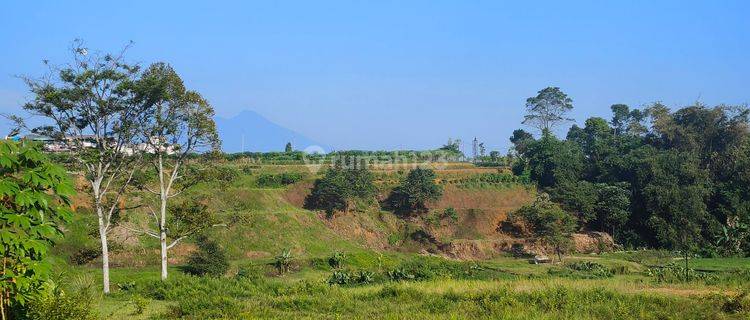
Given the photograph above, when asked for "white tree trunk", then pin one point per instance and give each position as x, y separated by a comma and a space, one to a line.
105, 250
163, 235
163, 240
164, 196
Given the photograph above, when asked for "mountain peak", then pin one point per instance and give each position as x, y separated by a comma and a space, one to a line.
250, 131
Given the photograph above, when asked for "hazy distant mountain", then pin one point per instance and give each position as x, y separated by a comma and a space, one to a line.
260, 134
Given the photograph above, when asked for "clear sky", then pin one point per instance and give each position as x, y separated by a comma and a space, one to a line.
402, 74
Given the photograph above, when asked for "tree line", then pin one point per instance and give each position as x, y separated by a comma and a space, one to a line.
652, 177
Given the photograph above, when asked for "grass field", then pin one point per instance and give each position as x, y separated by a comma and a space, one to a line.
386, 274
505, 288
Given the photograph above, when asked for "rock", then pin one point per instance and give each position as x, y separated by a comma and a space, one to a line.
593, 242
540, 259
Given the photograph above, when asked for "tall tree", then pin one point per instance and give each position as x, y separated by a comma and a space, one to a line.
288, 147
178, 123
90, 104
547, 109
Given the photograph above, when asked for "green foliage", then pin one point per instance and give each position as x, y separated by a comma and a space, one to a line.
652, 177
451, 213
552, 162
336, 260
139, 304
34, 203
250, 273
600, 206
591, 269
200, 307
210, 259
338, 187
547, 109
491, 180
61, 305
549, 222
283, 261
736, 303
269, 180
673, 273
415, 191
208, 173
453, 146
346, 277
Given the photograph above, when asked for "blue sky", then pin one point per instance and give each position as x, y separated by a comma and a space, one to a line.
402, 74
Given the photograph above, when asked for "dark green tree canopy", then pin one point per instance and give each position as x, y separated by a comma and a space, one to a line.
653, 177
415, 191
339, 187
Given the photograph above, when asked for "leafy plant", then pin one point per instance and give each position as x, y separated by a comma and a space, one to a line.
210, 259
336, 260
283, 261
139, 304
34, 203
451, 213
595, 269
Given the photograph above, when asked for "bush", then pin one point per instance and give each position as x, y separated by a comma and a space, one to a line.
85, 255
210, 259
218, 173
594, 269
672, 273
451, 213
283, 261
267, 180
212, 306
336, 260
139, 304
736, 303
61, 305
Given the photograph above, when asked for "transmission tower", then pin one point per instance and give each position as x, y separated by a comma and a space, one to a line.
474, 150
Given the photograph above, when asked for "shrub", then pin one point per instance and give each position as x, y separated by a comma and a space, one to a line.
591, 268
736, 303
412, 195
199, 306
672, 273
210, 259
336, 260
85, 255
218, 173
267, 180
283, 261
139, 304
61, 305
451, 213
